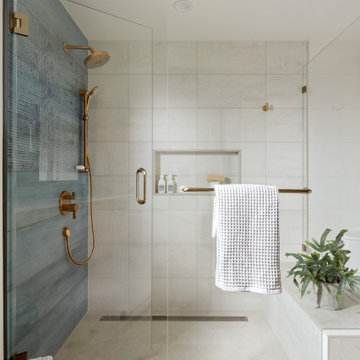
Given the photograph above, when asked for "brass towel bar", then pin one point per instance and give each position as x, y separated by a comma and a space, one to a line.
282, 191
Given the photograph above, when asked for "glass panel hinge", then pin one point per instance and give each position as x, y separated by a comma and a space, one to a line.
19, 24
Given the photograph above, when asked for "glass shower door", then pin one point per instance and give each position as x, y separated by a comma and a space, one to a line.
55, 307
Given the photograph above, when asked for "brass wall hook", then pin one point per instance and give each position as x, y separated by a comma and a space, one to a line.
267, 107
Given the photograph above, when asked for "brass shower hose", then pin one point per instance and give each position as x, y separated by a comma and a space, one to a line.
92, 224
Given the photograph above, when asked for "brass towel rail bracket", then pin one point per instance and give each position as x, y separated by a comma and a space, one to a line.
282, 191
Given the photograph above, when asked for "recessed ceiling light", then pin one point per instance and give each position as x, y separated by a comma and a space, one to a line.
182, 5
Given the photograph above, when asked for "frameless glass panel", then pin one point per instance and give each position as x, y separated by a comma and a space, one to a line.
334, 169
334, 150
56, 306
215, 124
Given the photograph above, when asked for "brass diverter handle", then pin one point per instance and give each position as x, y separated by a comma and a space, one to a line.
65, 204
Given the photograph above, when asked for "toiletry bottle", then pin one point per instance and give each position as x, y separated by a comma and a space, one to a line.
170, 184
161, 185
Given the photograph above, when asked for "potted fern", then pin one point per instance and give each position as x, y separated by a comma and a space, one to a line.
325, 267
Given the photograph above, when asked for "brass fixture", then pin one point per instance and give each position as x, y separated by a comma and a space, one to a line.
267, 107
87, 169
94, 60
138, 172
67, 234
87, 98
19, 24
282, 191
304, 89
65, 204
216, 178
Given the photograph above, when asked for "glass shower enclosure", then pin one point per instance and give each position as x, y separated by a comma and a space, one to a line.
106, 304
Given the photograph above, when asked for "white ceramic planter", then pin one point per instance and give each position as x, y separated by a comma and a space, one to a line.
325, 297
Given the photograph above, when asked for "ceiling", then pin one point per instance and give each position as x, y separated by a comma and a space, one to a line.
313, 20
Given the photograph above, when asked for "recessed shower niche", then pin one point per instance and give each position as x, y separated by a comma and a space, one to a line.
191, 168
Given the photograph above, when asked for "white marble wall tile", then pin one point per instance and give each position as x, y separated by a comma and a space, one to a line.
178, 163
140, 125
176, 125
284, 159
231, 57
110, 261
253, 159
140, 91
284, 125
181, 57
218, 163
175, 202
160, 261
139, 262
109, 158
231, 91
204, 223
119, 57
182, 261
112, 93
108, 125
160, 126
223, 125
206, 260
182, 294
286, 57
110, 192
291, 226
160, 91
175, 226
160, 57
111, 226
159, 296
286, 182
284, 91
140, 57
140, 155
212, 298
108, 296
140, 297
291, 201
139, 226
182, 91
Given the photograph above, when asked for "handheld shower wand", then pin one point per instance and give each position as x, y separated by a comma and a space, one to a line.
85, 168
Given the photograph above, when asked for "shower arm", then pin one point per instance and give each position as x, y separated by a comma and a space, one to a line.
77, 47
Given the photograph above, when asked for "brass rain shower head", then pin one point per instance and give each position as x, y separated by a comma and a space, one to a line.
94, 60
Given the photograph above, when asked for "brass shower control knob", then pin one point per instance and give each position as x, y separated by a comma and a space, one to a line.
65, 204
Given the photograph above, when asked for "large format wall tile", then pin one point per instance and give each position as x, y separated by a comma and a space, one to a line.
113, 90
284, 91
231, 57
182, 91
233, 81
284, 57
231, 91
181, 57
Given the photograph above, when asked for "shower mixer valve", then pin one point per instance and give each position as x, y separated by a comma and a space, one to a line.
65, 204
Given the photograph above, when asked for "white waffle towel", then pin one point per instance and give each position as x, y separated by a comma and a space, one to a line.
246, 227
44, 358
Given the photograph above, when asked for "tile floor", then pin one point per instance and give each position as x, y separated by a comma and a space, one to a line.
195, 340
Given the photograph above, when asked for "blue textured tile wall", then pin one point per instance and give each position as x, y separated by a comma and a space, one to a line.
47, 293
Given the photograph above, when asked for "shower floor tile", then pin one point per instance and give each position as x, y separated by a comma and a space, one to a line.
195, 340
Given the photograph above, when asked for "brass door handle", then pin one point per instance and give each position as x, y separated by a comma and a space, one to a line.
138, 172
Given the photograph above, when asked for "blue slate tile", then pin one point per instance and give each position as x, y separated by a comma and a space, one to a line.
47, 293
